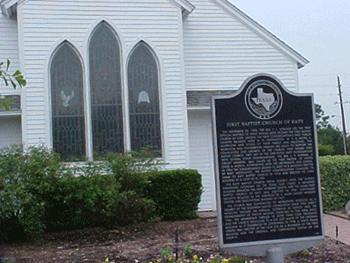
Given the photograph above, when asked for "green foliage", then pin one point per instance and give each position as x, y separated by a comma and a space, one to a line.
188, 250
131, 169
332, 137
321, 119
167, 255
15, 79
335, 182
24, 179
302, 253
324, 150
39, 193
176, 193
83, 201
134, 209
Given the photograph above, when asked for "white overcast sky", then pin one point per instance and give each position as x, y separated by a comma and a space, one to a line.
320, 31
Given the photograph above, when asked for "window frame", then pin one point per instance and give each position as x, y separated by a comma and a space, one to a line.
50, 91
157, 64
90, 91
85, 65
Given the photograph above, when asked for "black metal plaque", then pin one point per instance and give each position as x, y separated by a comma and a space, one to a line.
268, 180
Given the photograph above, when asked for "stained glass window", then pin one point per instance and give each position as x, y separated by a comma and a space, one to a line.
105, 87
68, 126
144, 99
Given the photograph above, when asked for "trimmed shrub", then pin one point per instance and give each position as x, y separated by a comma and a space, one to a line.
83, 201
176, 193
335, 181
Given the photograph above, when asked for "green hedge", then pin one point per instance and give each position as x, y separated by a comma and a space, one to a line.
176, 193
335, 181
39, 193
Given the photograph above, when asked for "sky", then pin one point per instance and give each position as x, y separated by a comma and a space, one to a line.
320, 31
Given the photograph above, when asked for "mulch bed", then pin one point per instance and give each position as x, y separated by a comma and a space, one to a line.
144, 242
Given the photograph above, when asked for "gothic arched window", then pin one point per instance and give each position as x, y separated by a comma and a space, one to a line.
105, 90
143, 84
68, 125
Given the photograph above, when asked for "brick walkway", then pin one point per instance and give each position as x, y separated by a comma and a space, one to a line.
330, 225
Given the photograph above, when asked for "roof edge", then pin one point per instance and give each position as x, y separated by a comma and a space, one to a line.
8, 7
186, 7
255, 26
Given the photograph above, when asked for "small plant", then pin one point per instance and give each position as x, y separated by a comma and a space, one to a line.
166, 253
188, 250
107, 260
168, 256
302, 253
7, 260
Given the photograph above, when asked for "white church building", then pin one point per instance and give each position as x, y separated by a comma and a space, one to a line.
116, 75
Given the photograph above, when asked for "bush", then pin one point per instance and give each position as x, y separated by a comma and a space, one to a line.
335, 181
131, 169
83, 201
134, 209
38, 193
324, 150
25, 178
176, 193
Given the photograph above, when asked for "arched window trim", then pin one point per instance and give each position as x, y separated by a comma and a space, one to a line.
127, 104
84, 60
121, 82
50, 99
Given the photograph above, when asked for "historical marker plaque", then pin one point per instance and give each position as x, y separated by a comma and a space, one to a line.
268, 186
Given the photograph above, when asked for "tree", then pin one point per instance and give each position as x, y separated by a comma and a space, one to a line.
330, 139
321, 119
15, 79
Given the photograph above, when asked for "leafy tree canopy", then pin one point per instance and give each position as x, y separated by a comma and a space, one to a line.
321, 118
330, 138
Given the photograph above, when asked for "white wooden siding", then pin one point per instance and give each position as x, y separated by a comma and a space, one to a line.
8, 47
10, 127
221, 51
201, 155
209, 50
45, 23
